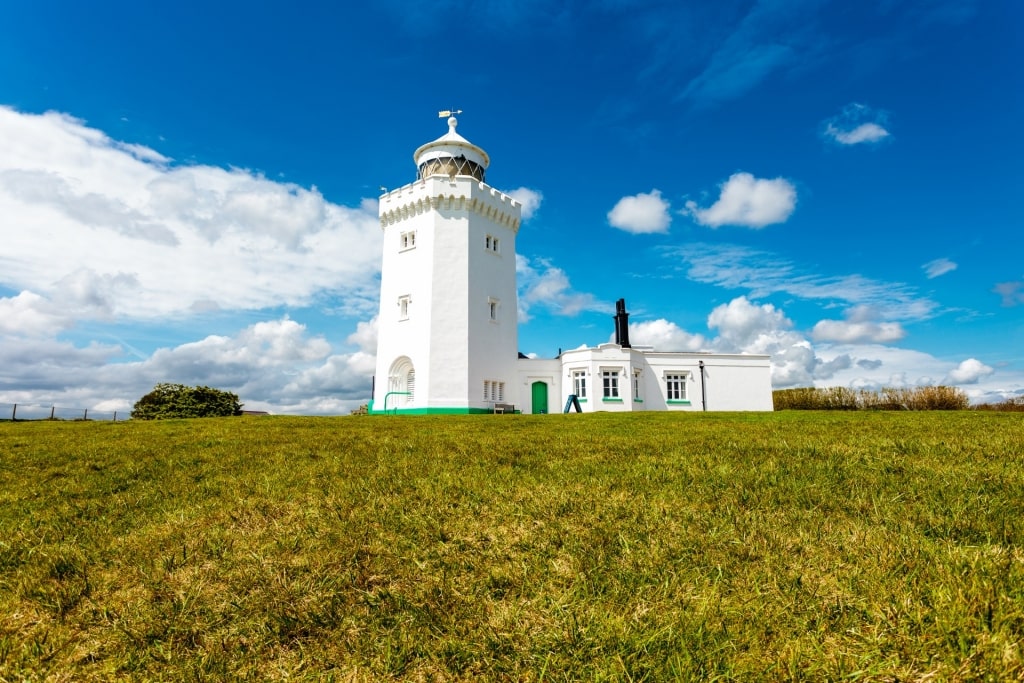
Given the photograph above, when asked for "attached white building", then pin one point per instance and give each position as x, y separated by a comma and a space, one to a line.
447, 337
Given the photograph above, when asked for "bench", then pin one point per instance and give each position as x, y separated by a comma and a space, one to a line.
501, 408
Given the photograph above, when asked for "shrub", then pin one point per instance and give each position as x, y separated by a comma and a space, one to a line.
888, 398
1010, 405
177, 400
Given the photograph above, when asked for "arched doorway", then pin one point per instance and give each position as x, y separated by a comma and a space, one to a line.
539, 398
401, 384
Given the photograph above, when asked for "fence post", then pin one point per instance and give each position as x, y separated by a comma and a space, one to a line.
85, 415
52, 408
14, 412
115, 416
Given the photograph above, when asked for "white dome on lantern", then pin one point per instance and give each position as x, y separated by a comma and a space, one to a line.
451, 155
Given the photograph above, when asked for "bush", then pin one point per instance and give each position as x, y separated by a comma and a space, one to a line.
889, 398
1010, 405
177, 400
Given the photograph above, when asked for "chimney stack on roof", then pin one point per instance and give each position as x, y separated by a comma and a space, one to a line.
621, 324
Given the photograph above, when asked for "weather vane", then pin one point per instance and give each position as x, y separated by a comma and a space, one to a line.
448, 112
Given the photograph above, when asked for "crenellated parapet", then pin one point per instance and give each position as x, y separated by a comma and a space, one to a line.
464, 194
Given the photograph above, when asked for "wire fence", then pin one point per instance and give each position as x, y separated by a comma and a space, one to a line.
17, 412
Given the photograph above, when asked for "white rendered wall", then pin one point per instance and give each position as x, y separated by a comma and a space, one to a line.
733, 382
546, 370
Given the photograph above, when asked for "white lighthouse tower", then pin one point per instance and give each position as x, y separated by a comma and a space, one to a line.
447, 339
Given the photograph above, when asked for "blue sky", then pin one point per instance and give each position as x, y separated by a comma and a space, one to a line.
188, 190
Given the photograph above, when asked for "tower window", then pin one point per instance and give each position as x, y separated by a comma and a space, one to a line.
403, 307
494, 391
407, 240
492, 308
491, 243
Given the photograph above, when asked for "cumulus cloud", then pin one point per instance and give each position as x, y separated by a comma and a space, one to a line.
130, 234
542, 284
941, 266
664, 336
274, 365
29, 314
741, 323
747, 201
643, 213
529, 199
748, 327
860, 325
969, 371
118, 240
856, 124
365, 336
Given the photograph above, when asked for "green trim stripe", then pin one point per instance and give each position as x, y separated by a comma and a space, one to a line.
434, 411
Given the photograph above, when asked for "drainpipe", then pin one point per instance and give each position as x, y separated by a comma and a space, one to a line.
703, 391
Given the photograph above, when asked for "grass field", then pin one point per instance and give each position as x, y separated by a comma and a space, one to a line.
786, 546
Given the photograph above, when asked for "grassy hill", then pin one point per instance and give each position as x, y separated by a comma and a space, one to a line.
795, 545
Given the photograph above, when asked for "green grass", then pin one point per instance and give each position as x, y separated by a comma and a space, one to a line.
787, 546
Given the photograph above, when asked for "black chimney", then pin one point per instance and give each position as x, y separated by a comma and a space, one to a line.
621, 324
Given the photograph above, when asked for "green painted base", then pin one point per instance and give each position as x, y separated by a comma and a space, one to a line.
432, 411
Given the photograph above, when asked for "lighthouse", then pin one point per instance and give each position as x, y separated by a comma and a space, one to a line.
447, 339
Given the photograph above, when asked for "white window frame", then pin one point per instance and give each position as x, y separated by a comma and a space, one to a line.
407, 241
638, 385
491, 244
610, 384
492, 308
403, 306
579, 384
676, 389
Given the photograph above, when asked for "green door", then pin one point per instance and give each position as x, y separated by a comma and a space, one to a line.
540, 398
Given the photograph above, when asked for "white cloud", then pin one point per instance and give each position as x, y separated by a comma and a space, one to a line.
856, 124
29, 314
747, 327
938, 267
664, 336
116, 239
742, 323
541, 283
365, 336
748, 201
865, 132
969, 372
530, 200
126, 234
863, 331
274, 365
763, 274
643, 213
860, 326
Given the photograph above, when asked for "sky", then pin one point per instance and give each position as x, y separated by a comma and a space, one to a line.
188, 191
